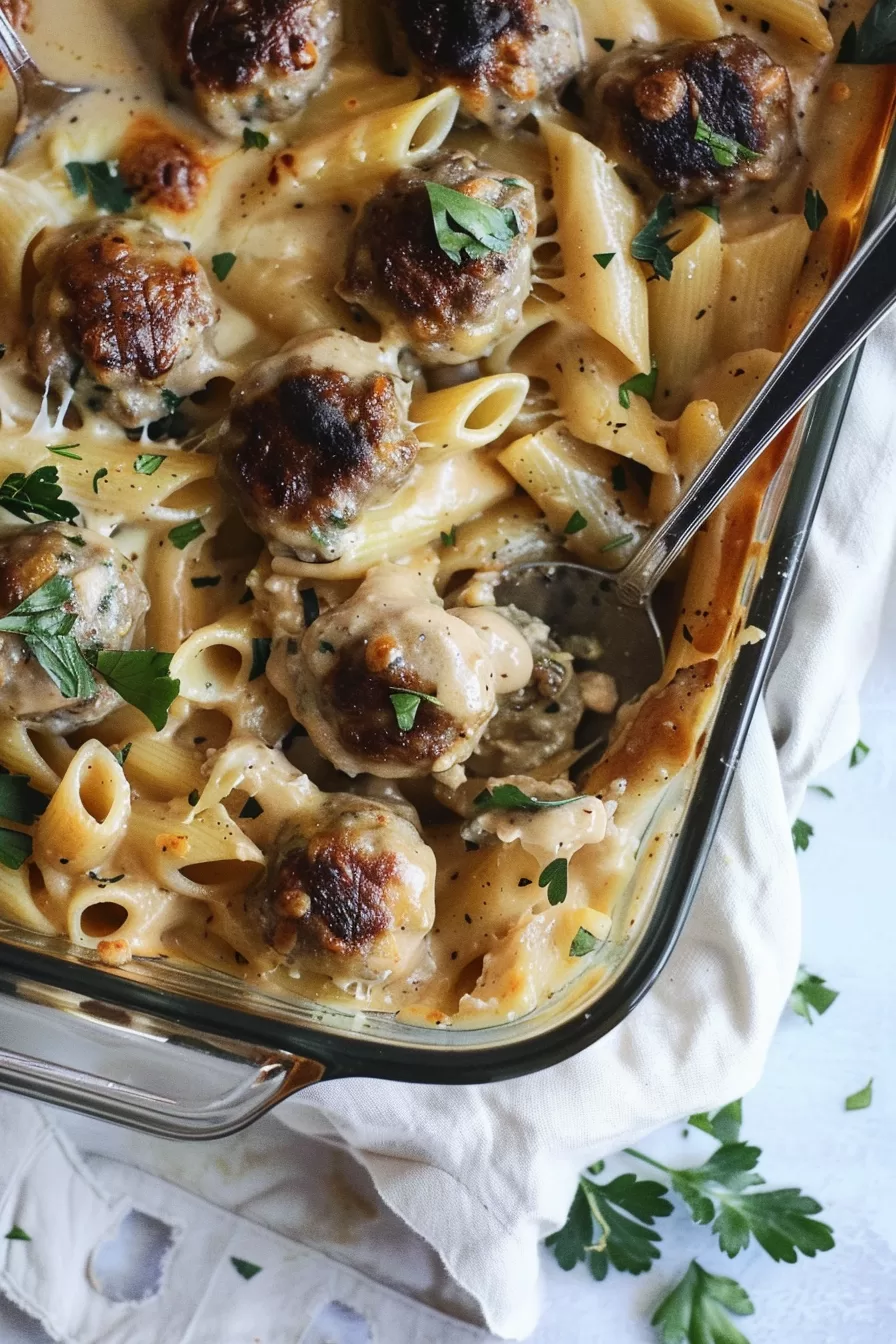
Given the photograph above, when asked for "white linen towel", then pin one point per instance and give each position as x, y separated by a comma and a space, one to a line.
483, 1174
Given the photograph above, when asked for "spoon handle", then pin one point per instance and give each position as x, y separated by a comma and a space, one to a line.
13, 51
861, 297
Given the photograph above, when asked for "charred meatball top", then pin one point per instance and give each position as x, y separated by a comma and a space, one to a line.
644, 108
315, 434
244, 61
123, 315
449, 309
504, 57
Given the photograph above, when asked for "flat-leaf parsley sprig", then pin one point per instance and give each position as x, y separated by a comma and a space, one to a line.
612, 1224
699, 1308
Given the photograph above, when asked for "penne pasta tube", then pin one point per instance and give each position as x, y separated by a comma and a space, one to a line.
684, 310
468, 416
87, 816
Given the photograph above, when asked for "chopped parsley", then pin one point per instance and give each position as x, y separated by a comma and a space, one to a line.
822, 789
223, 263
147, 464
16, 1233
102, 183
641, 384
449, 538
811, 994
255, 139
874, 41
97, 477
608, 43
861, 1100
650, 244
510, 796
406, 704
326, 647
122, 755
802, 833
184, 533
603, 259
261, 652
815, 210
245, 1268
38, 495
310, 606
858, 754
583, 943
193, 797
711, 211
726, 152
65, 450
466, 227
554, 877
19, 801
575, 523
251, 809
618, 541
15, 848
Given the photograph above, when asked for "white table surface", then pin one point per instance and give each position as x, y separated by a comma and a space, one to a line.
847, 1161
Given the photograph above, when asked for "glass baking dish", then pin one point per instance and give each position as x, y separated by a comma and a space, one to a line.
197, 1054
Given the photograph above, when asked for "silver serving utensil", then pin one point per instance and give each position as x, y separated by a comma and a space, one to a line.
39, 98
614, 608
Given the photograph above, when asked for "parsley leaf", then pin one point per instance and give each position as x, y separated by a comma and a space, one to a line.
468, 226
508, 795
710, 210
858, 754
603, 259
697, 1310
193, 797
822, 789
184, 533
255, 139
65, 450
100, 181
15, 848
874, 41
406, 705
618, 541
97, 477
726, 152
596, 1230
122, 755
555, 877
575, 523
583, 943
147, 464
16, 1233
642, 384
140, 676
724, 1126
45, 622
652, 245
810, 993
223, 263
802, 833
608, 43
261, 652
815, 210
719, 1192
18, 801
36, 496
861, 1100
245, 1268
449, 538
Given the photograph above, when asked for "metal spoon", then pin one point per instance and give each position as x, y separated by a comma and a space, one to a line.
39, 98
614, 609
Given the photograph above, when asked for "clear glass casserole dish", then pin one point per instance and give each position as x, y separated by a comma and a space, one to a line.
172, 1014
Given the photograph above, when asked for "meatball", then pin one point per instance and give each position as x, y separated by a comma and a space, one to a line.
449, 308
161, 168
246, 60
504, 57
391, 639
349, 891
538, 720
109, 602
315, 434
644, 107
123, 315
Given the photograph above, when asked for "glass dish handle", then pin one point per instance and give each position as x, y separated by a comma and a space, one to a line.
275, 1076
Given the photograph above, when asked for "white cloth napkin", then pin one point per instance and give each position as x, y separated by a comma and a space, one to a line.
483, 1174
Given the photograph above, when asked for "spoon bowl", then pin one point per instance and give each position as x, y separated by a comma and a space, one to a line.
40, 99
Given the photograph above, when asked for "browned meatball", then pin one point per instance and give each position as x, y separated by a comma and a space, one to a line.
124, 314
109, 601
644, 105
449, 309
246, 60
349, 891
315, 434
504, 57
161, 168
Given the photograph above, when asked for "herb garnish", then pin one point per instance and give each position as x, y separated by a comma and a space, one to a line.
583, 943
36, 496
45, 620
598, 1232
802, 833
65, 450
19, 801
603, 259
245, 1268
554, 877
608, 43
810, 993
858, 754
874, 41
184, 533
618, 541
822, 789
326, 647
223, 263
15, 848
652, 245
815, 210
698, 1309
140, 676
193, 797
642, 384
97, 477
406, 704
726, 151
510, 796
147, 464
468, 226
261, 652
449, 538
16, 1233
575, 523
101, 181
255, 139
861, 1100
122, 755
711, 211
724, 1126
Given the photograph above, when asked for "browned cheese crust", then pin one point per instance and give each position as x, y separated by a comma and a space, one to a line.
644, 104
503, 56
161, 168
